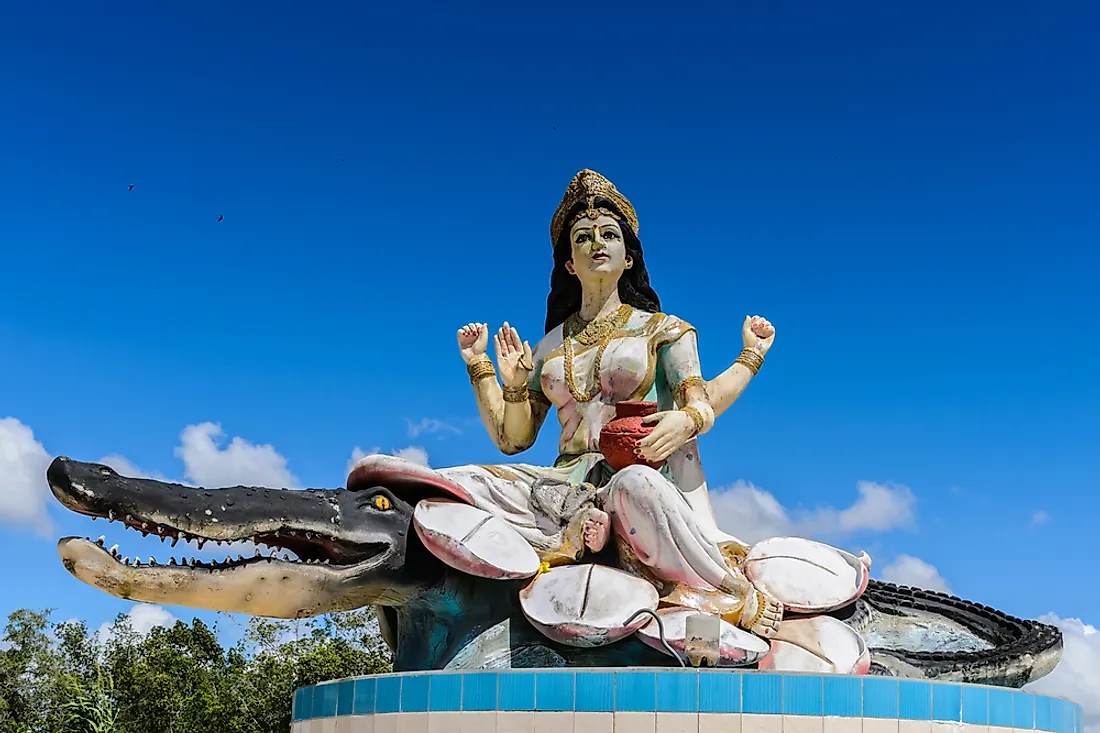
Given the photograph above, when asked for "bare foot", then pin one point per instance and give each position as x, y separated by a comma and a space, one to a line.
762, 615
597, 530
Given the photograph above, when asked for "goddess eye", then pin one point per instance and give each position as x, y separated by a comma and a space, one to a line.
582, 238
381, 503
610, 235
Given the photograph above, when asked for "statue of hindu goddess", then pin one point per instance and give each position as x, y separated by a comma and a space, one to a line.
597, 542
610, 556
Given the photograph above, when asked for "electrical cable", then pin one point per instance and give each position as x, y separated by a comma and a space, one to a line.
660, 630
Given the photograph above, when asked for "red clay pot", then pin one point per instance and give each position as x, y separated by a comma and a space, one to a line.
620, 436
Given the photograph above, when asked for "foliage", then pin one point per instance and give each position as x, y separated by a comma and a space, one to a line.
59, 678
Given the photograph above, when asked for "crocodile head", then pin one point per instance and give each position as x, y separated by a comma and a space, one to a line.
350, 546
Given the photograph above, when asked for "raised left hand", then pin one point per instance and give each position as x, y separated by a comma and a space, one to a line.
674, 429
758, 334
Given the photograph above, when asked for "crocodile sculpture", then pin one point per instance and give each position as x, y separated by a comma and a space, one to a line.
356, 547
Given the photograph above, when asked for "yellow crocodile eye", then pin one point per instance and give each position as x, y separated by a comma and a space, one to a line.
381, 503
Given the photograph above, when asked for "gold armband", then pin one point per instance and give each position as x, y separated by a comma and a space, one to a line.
696, 417
516, 395
480, 368
689, 383
751, 359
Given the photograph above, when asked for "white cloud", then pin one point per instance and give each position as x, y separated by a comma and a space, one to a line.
878, 508
1039, 518
753, 514
1077, 675
908, 570
238, 463
413, 453
24, 493
143, 617
430, 425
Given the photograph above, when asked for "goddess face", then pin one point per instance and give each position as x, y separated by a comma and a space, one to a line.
599, 250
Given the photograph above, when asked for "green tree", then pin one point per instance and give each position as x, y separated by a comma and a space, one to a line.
59, 678
91, 707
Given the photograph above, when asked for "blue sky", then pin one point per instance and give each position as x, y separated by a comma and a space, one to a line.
909, 194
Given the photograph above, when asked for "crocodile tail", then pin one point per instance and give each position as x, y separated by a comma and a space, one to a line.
1022, 650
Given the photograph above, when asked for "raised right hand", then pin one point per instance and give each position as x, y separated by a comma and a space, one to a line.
473, 339
514, 360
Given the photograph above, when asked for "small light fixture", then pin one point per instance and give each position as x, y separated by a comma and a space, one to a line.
702, 639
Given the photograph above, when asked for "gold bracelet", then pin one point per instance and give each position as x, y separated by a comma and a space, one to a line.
480, 368
516, 395
752, 356
696, 417
751, 359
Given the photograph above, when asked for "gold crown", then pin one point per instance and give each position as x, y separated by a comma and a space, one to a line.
588, 185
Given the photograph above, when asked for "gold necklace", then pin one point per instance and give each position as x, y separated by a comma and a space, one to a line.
602, 330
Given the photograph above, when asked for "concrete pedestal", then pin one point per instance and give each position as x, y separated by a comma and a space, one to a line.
669, 701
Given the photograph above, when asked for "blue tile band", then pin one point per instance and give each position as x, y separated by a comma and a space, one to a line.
687, 690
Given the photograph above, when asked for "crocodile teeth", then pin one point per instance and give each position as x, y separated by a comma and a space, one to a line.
114, 550
101, 540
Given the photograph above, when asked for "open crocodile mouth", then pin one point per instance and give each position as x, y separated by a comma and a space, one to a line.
290, 553
333, 529
291, 547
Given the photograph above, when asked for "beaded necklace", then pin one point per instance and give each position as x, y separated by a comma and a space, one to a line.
602, 330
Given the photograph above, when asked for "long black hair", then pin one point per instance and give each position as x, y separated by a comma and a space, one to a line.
565, 289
